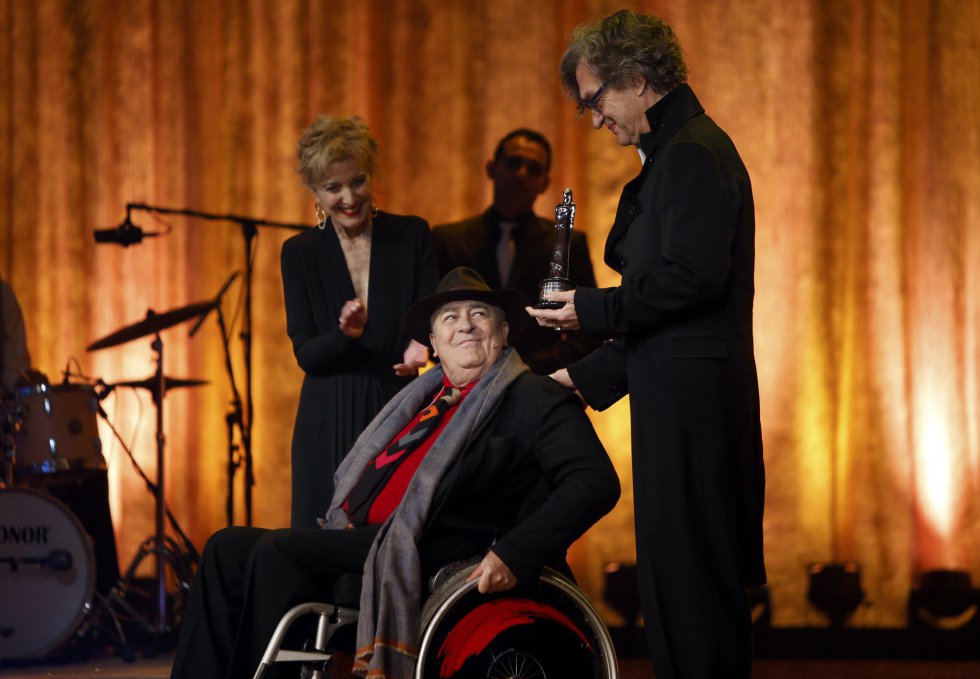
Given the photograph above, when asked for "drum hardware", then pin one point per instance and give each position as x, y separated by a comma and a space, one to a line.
130, 595
151, 385
163, 548
243, 420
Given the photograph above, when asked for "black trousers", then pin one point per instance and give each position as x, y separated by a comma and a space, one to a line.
249, 577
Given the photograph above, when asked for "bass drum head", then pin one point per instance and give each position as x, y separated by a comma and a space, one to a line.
541, 630
47, 574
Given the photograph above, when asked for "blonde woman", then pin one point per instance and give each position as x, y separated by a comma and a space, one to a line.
347, 285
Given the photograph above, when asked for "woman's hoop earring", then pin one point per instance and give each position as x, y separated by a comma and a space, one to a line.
374, 210
321, 217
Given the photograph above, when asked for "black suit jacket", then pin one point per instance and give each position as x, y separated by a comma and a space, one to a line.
530, 482
473, 243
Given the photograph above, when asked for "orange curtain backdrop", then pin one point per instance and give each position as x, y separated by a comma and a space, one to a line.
857, 119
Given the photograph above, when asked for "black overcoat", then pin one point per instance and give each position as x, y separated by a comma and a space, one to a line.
681, 323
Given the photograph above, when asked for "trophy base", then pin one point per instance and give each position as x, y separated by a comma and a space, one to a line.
552, 285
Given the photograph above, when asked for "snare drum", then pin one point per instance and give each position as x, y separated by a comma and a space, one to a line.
538, 630
58, 429
47, 574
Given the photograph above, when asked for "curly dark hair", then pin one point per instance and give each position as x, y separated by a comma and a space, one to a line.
622, 47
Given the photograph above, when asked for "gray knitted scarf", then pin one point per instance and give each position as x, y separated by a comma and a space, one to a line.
389, 619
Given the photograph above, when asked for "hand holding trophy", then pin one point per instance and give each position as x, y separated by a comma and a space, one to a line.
557, 280
555, 307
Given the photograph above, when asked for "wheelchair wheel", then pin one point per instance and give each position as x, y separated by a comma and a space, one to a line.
541, 630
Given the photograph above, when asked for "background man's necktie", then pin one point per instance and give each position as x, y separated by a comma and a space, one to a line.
505, 251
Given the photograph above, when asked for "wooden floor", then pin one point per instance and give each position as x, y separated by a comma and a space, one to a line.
159, 668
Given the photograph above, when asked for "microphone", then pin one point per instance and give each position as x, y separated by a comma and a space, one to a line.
125, 234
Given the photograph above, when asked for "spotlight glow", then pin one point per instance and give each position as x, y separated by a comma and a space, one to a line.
935, 464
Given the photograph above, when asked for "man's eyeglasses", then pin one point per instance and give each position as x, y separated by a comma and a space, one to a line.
593, 102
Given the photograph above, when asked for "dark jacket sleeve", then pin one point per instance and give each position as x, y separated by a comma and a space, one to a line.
316, 351
582, 483
602, 377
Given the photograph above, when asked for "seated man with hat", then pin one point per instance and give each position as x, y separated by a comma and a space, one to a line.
476, 456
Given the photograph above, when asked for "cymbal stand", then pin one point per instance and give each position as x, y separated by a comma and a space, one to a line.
165, 550
233, 418
249, 232
182, 557
190, 555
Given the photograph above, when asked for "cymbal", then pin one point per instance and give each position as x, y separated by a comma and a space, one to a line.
150, 383
152, 324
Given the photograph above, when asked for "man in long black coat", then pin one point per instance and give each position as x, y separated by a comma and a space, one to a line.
519, 171
681, 323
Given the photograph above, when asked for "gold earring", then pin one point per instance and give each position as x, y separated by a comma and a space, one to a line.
374, 209
321, 216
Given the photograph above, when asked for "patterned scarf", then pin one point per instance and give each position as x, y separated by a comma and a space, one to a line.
377, 475
389, 619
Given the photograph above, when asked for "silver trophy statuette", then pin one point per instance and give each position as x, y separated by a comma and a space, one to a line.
558, 269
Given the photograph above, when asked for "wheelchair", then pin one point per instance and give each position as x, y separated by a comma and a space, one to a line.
539, 630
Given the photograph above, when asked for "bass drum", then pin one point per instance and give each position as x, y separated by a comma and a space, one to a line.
542, 630
47, 574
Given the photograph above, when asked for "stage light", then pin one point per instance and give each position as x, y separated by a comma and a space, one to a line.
944, 600
835, 590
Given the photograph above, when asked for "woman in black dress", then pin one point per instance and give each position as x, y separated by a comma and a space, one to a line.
347, 285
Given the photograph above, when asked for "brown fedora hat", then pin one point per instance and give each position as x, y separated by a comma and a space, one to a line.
459, 284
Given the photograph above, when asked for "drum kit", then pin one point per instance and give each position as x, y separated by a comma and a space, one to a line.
59, 573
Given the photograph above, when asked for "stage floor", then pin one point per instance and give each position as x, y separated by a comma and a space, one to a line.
630, 668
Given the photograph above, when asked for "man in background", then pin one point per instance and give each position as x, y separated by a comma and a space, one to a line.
511, 247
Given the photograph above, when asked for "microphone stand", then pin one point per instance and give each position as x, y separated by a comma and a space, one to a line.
233, 418
249, 227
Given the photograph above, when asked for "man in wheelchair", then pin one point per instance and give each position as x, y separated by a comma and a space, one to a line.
476, 456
